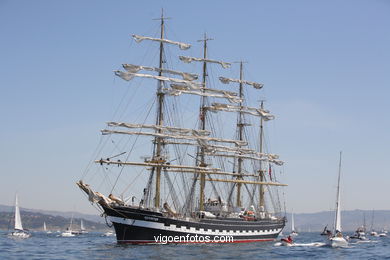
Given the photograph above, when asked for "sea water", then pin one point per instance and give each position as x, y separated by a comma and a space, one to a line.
95, 246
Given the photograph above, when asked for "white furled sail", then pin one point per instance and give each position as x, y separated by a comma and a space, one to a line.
187, 59
18, 220
161, 128
135, 68
129, 76
182, 46
247, 110
253, 84
178, 89
185, 137
277, 162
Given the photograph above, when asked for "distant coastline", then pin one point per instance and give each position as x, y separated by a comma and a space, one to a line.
305, 222
34, 219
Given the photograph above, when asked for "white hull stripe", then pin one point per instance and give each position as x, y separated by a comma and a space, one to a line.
161, 226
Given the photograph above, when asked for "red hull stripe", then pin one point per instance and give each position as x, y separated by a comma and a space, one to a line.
227, 242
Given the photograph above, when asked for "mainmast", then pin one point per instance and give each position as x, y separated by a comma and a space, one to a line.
203, 124
160, 119
261, 171
240, 126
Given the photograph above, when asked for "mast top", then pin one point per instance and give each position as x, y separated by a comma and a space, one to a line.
162, 18
205, 39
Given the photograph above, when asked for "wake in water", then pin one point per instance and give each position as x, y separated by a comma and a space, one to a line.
314, 244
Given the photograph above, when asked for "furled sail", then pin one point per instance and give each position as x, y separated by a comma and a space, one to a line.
187, 59
182, 46
129, 76
257, 158
253, 84
178, 89
247, 110
135, 68
185, 137
250, 182
162, 128
211, 149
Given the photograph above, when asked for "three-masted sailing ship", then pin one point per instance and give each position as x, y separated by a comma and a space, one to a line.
197, 181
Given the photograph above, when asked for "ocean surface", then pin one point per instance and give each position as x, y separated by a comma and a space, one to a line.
94, 246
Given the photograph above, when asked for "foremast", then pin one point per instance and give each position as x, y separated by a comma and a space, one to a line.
159, 120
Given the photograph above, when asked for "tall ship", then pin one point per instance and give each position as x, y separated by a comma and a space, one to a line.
208, 174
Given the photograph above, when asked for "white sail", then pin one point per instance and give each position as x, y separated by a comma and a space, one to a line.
82, 226
337, 223
182, 46
186, 59
253, 84
44, 226
292, 223
129, 76
180, 89
18, 220
265, 114
161, 128
186, 137
135, 68
265, 159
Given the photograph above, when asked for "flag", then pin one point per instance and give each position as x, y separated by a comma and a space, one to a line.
270, 172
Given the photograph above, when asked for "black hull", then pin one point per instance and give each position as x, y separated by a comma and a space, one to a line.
136, 226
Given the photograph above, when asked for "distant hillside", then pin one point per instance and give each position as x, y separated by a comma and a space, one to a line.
94, 218
350, 220
34, 221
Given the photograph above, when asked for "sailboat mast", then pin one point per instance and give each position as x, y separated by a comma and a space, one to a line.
240, 126
203, 125
160, 118
261, 172
338, 213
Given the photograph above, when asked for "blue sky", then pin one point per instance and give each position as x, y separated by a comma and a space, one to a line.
325, 66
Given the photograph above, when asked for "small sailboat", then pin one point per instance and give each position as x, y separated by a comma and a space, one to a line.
337, 240
293, 231
18, 232
373, 232
45, 228
326, 231
82, 228
69, 232
383, 233
360, 232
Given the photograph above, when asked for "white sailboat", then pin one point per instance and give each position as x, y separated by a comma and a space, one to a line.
45, 228
82, 228
68, 232
293, 231
337, 240
18, 229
